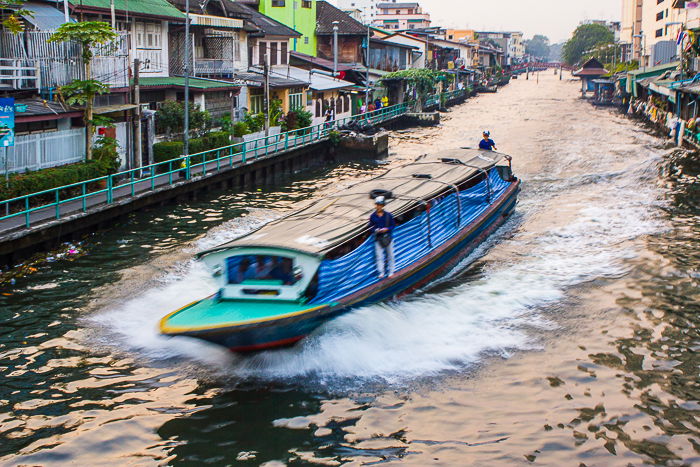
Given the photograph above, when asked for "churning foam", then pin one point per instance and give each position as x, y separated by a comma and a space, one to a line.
430, 333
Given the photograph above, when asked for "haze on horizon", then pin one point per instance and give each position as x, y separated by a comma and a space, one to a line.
556, 19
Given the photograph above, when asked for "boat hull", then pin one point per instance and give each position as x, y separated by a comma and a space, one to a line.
286, 331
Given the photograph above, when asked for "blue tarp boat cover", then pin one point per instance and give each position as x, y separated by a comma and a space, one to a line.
344, 276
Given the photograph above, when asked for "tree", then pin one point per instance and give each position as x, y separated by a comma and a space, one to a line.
585, 37
420, 80
538, 46
12, 22
88, 34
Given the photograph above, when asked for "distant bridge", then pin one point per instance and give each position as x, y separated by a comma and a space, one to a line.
540, 66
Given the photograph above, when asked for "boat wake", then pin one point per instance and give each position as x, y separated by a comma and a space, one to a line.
505, 308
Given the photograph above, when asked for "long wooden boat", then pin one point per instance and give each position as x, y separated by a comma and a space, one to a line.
279, 283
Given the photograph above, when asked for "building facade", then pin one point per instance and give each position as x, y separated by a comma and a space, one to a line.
652, 26
299, 15
401, 16
362, 10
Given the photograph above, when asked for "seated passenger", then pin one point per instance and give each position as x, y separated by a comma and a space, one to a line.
244, 272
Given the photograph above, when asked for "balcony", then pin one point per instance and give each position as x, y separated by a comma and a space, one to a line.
213, 67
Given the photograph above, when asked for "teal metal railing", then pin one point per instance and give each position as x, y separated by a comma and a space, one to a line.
161, 174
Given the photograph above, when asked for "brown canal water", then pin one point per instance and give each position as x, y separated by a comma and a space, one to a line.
571, 340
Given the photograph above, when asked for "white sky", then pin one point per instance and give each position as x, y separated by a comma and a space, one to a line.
555, 19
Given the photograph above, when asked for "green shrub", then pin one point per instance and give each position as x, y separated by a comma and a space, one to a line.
105, 152
167, 150
46, 179
240, 129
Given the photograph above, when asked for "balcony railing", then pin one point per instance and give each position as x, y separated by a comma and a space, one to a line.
213, 66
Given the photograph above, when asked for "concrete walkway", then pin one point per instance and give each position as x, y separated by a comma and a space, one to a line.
124, 189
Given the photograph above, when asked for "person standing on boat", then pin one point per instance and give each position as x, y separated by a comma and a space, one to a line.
382, 225
487, 144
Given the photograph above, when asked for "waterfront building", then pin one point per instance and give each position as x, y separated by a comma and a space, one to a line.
401, 16
499, 40
652, 26
299, 15
364, 11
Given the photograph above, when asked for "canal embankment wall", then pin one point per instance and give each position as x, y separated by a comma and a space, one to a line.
19, 243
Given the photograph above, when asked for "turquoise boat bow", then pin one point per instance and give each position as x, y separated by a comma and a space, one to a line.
281, 282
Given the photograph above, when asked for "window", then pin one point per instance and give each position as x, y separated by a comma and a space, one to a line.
256, 101
278, 3
262, 270
236, 47
283, 52
296, 98
306, 3
273, 53
659, 32
261, 53
306, 40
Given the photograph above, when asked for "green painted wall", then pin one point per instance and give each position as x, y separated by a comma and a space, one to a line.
300, 19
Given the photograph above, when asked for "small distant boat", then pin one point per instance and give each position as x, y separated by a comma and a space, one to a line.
281, 282
487, 86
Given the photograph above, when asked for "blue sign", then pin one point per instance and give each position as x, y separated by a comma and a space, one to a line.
7, 121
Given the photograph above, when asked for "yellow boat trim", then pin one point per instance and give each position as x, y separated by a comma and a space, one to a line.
165, 329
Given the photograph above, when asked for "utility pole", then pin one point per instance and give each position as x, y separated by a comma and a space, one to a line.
66, 16
367, 72
111, 11
138, 156
266, 101
186, 139
335, 48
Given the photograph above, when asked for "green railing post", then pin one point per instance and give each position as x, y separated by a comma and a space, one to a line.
84, 198
131, 181
286, 141
230, 155
27, 222
188, 168
58, 204
266, 145
170, 173
109, 189
153, 178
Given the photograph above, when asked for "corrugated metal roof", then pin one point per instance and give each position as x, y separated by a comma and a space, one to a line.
142, 7
216, 21
178, 81
44, 16
319, 82
347, 25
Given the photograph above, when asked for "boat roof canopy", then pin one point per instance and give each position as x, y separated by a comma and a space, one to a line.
329, 222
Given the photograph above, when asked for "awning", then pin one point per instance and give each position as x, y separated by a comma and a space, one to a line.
178, 82
276, 81
108, 109
648, 72
216, 21
43, 16
317, 81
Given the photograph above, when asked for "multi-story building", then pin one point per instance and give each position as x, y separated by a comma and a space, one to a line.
299, 15
461, 35
499, 40
401, 16
362, 10
517, 47
652, 27
631, 27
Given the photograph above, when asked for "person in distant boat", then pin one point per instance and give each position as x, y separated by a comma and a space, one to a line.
382, 225
487, 143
